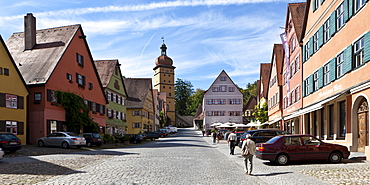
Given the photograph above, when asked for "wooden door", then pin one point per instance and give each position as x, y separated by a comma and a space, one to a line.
362, 116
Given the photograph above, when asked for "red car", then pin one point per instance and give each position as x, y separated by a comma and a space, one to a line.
285, 148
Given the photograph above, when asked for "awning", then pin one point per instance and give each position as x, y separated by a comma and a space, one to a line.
311, 108
274, 121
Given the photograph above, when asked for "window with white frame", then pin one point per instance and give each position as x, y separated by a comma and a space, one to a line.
223, 88
292, 96
216, 113
359, 4
292, 69
222, 101
297, 95
81, 79
119, 115
136, 113
114, 114
118, 99
11, 101
340, 65
307, 50
109, 113
209, 101
114, 98
80, 59
316, 81
11, 126
109, 96
136, 125
223, 78
231, 89
209, 113
293, 44
307, 86
316, 41
216, 101
215, 89
326, 74
326, 30
340, 16
222, 113
358, 53
296, 61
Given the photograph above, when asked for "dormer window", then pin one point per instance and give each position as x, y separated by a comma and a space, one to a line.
223, 78
80, 60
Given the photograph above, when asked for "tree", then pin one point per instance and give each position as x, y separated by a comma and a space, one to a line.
183, 91
77, 113
251, 90
194, 101
261, 113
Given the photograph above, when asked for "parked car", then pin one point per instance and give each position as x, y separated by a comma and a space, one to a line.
150, 135
134, 138
161, 133
9, 142
2, 154
171, 129
92, 139
239, 134
261, 135
63, 139
285, 148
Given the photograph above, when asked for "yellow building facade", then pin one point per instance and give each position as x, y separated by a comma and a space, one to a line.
13, 96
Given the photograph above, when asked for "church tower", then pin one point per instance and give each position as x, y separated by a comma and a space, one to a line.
164, 81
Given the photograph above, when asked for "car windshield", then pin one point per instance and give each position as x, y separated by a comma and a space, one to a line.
72, 134
272, 140
96, 135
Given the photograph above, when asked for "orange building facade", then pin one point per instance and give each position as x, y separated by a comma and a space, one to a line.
336, 78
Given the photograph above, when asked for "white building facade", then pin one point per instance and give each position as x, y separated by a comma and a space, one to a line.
222, 102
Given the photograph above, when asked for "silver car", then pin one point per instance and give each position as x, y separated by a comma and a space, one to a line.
63, 139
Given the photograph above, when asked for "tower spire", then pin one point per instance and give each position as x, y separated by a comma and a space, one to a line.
163, 47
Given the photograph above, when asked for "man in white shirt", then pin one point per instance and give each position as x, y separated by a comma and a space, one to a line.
232, 140
249, 145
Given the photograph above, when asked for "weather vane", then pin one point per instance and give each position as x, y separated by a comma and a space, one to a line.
163, 39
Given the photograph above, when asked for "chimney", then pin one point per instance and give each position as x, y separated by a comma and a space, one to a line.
29, 31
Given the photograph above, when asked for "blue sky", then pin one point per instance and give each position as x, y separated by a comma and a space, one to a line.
203, 37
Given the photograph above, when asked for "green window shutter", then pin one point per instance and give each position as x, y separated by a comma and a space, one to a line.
332, 67
310, 85
321, 77
311, 46
20, 128
321, 35
333, 27
348, 59
366, 49
345, 7
350, 8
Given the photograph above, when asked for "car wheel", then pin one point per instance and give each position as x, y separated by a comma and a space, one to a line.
89, 144
335, 157
65, 145
40, 143
282, 159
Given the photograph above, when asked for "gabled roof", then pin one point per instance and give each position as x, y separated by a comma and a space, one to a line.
252, 102
277, 54
137, 89
106, 69
37, 65
265, 70
14, 64
222, 72
297, 11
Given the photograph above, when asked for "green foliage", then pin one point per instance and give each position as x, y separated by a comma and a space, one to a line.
194, 101
250, 91
261, 113
183, 91
77, 113
108, 138
162, 119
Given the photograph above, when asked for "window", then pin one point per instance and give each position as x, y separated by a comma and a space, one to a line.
215, 89
69, 77
169, 94
136, 125
342, 120
292, 70
119, 115
6, 71
316, 41
223, 101
296, 64
11, 126
316, 4
90, 86
11, 101
80, 79
340, 65
37, 97
217, 101
109, 113
231, 101
209, 101
80, 60
297, 95
340, 16
326, 31
307, 50
326, 74
223, 88
119, 99
123, 101
293, 44
307, 86
1, 70
216, 113
101, 109
316, 81
358, 52
293, 96
231, 89
109, 96
237, 101
114, 114
359, 4
136, 113
114, 98
222, 113
223, 78
209, 113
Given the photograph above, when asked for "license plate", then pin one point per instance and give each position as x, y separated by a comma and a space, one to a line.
13, 143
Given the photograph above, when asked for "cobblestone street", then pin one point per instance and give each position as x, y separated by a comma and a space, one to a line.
183, 158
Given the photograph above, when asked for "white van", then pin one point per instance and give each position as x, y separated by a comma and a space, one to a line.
172, 129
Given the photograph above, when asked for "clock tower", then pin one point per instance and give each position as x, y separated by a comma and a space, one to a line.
164, 81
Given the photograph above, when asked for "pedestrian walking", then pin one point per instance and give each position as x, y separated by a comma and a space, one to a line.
232, 141
203, 131
214, 135
249, 149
